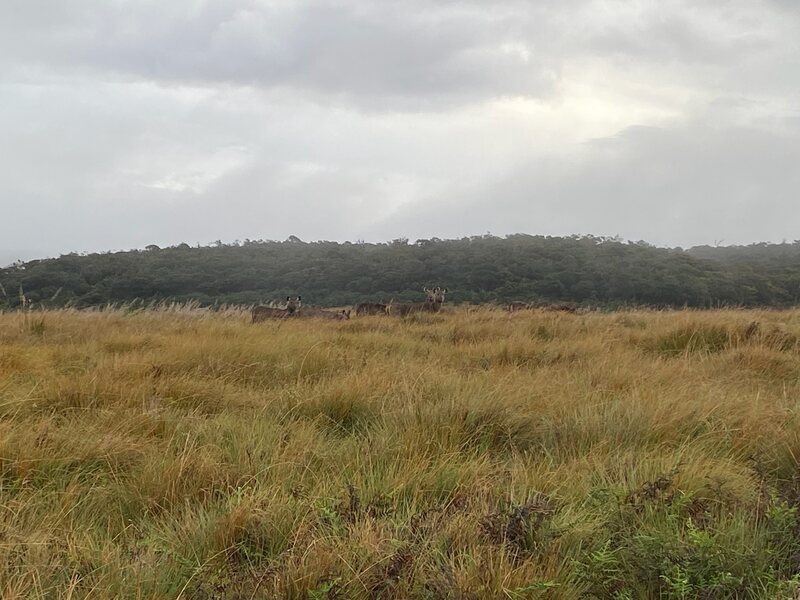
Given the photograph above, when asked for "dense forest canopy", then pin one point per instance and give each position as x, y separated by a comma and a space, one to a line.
583, 269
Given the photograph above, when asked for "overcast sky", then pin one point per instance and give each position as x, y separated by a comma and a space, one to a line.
126, 123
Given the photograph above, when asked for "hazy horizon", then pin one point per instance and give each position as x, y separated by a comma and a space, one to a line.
8, 257
138, 123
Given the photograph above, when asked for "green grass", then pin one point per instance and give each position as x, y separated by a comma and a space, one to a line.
469, 454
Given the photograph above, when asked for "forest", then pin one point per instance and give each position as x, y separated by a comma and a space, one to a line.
586, 270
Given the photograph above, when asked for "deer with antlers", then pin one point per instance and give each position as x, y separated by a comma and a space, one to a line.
263, 313
433, 303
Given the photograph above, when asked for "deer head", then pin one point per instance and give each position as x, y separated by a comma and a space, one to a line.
292, 304
435, 295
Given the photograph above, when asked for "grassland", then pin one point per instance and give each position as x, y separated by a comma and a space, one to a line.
474, 454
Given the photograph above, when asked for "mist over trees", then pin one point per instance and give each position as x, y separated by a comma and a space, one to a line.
582, 269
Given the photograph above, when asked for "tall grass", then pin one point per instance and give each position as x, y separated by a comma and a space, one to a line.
174, 452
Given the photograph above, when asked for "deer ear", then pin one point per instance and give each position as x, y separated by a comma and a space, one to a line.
444, 291
299, 299
288, 298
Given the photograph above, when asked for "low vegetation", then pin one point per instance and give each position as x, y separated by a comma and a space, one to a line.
465, 454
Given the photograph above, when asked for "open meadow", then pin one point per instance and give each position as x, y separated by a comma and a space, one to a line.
467, 454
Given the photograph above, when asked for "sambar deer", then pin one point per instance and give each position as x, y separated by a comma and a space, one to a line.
517, 305
371, 308
567, 308
263, 313
433, 303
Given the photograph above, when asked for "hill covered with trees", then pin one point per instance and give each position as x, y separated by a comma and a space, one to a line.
583, 269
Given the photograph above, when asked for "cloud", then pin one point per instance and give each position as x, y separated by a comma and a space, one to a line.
406, 53
134, 122
686, 185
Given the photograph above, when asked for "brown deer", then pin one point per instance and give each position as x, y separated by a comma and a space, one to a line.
433, 303
568, 308
515, 306
371, 308
262, 313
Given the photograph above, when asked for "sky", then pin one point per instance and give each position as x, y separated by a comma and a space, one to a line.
128, 123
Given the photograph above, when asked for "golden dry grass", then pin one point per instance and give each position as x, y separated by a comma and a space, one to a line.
473, 454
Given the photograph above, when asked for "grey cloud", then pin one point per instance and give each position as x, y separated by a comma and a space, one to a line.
668, 37
686, 185
409, 54
404, 53
130, 123
257, 201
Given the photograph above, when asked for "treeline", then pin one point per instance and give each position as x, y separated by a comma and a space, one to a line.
582, 269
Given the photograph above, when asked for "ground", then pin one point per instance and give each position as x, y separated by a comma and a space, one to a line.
180, 453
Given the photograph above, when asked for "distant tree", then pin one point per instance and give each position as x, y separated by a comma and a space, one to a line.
582, 269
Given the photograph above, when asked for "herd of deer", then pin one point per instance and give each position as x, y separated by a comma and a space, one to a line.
434, 298
294, 308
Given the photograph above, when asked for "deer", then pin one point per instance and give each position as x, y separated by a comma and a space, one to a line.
262, 313
568, 308
517, 305
433, 303
372, 308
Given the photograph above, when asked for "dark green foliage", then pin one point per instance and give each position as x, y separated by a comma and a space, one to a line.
660, 542
585, 270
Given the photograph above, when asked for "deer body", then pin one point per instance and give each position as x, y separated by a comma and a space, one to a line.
263, 313
514, 306
371, 308
569, 308
433, 303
